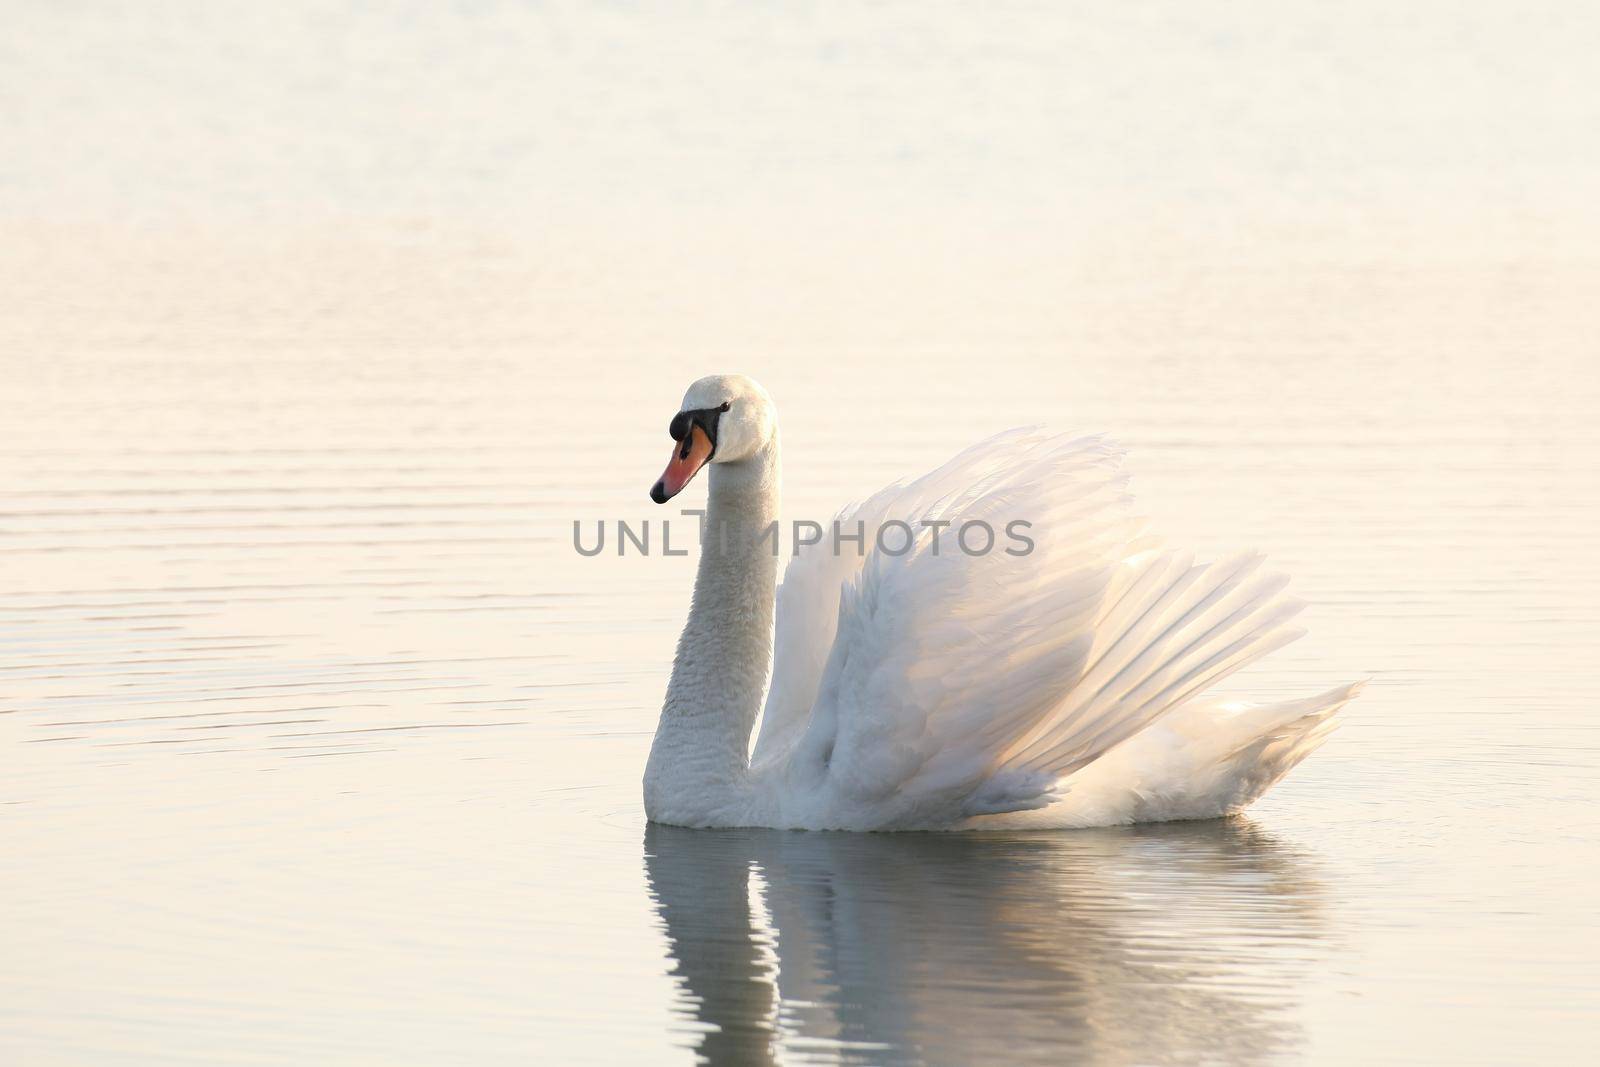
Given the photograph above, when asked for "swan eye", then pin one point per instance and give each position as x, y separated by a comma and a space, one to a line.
726, 404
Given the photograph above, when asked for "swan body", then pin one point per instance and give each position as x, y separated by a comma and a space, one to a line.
1055, 680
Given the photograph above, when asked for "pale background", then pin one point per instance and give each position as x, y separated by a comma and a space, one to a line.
322, 322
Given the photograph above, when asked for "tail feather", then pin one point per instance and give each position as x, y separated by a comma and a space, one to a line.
1204, 759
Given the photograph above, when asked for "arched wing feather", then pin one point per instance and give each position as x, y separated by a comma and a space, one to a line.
808, 599
959, 684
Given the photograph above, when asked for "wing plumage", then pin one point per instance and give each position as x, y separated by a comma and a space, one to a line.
938, 684
808, 600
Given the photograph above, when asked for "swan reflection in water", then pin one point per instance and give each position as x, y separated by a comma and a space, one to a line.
1157, 943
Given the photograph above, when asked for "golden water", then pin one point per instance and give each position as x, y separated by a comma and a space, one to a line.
323, 745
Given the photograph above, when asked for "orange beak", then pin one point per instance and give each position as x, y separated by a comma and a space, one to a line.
688, 456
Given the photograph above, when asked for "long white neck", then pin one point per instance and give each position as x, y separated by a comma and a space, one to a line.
699, 763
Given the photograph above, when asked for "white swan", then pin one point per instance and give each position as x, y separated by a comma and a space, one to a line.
942, 688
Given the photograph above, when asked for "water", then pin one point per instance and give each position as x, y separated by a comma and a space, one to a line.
324, 323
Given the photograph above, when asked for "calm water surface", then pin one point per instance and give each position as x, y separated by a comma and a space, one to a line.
322, 745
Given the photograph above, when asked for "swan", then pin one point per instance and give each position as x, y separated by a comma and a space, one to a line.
1057, 679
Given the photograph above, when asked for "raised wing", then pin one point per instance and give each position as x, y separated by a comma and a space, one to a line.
964, 684
808, 600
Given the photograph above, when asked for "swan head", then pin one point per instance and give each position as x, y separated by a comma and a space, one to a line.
724, 418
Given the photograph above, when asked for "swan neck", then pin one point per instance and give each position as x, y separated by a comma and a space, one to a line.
699, 762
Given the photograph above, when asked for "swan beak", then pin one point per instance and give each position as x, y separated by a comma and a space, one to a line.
688, 456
